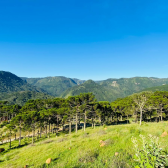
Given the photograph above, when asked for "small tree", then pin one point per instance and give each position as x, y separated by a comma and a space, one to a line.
140, 100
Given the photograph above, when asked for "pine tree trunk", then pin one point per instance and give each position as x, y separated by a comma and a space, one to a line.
40, 131
140, 115
161, 114
79, 120
46, 131
100, 120
52, 129
20, 137
70, 127
10, 140
76, 122
85, 121
63, 129
49, 131
32, 137
49, 127
7, 117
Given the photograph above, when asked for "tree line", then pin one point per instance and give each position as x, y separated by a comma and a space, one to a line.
49, 116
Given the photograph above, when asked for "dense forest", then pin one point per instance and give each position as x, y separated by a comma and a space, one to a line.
75, 112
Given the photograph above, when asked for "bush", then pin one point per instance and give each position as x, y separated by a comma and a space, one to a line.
151, 155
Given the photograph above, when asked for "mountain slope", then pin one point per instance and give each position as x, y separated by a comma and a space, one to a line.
22, 97
112, 89
12, 83
157, 88
100, 92
55, 86
128, 86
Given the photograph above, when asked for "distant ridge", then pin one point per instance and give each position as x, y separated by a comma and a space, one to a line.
9, 82
115, 88
60, 86
55, 86
157, 88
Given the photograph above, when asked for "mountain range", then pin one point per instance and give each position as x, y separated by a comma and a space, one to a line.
19, 89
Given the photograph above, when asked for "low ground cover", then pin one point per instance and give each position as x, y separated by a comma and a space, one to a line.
84, 149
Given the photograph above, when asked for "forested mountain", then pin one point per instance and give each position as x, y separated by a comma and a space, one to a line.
12, 83
112, 89
55, 86
59, 86
128, 86
17, 91
157, 88
101, 93
22, 97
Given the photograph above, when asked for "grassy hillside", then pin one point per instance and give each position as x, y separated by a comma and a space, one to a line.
83, 149
100, 92
22, 97
12, 83
55, 86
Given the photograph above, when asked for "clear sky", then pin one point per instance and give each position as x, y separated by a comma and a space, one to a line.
85, 39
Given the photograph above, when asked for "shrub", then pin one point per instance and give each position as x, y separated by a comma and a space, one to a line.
104, 126
151, 155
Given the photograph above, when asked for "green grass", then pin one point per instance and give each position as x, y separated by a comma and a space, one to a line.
83, 149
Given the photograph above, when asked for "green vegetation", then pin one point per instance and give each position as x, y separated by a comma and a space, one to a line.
106, 90
127, 86
11, 83
55, 86
100, 145
157, 88
22, 97
111, 89
65, 121
83, 149
100, 92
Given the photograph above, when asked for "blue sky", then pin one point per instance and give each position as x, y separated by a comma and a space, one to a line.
91, 39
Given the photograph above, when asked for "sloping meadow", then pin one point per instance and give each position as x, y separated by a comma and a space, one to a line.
109, 146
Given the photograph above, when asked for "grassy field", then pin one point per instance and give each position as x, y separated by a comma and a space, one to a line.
83, 149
